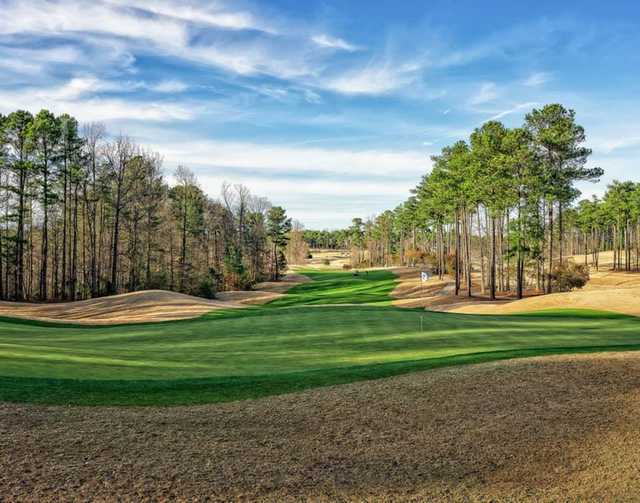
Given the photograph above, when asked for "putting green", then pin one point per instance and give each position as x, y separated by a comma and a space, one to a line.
338, 328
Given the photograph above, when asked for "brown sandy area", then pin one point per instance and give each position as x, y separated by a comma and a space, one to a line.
562, 428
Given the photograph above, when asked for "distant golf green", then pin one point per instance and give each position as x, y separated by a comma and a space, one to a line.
338, 328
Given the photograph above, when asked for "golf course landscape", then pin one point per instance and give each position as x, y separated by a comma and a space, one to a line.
337, 328
321, 251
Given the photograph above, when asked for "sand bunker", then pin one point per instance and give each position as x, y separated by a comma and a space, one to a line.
562, 428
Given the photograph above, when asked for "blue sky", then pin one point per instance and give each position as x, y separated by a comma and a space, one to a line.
329, 108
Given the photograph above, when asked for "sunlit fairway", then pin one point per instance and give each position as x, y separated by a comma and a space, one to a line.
338, 328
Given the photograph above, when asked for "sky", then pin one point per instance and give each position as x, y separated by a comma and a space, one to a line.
330, 108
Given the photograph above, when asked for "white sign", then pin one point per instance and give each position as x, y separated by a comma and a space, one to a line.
424, 276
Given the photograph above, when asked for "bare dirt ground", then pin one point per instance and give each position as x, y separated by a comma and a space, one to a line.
607, 290
147, 305
562, 428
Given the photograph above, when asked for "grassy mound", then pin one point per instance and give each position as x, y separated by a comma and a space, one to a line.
303, 340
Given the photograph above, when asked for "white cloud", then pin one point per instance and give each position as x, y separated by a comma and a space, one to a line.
285, 188
611, 144
32, 62
487, 92
45, 17
75, 88
330, 42
311, 97
213, 15
154, 33
157, 27
70, 98
375, 78
537, 79
169, 86
517, 108
286, 159
250, 58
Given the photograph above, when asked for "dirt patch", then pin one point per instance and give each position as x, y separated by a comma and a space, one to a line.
135, 307
561, 428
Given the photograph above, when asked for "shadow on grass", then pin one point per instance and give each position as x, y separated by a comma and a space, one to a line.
225, 389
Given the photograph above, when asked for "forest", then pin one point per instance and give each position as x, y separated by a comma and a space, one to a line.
504, 206
85, 214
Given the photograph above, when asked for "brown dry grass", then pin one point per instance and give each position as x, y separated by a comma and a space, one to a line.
135, 307
562, 428
607, 290
147, 305
266, 291
336, 258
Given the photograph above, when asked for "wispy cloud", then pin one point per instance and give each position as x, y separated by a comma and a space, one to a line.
70, 17
203, 35
487, 92
330, 42
283, 159
608, 145
158, 24
214, 14
169, 86
537, 79
518, 108
374, 78
70, 98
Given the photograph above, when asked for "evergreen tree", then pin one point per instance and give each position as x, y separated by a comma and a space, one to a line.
278, 228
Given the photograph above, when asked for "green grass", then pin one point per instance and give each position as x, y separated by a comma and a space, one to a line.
339, 328
337, 287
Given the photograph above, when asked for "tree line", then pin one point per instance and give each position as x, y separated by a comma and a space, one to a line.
610, 223
84, 214
498, 211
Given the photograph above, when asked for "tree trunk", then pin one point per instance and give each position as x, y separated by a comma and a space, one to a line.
492, 274
550, 271
44, 250
467, 233
457, 258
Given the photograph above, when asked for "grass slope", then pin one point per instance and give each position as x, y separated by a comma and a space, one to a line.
303, 340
